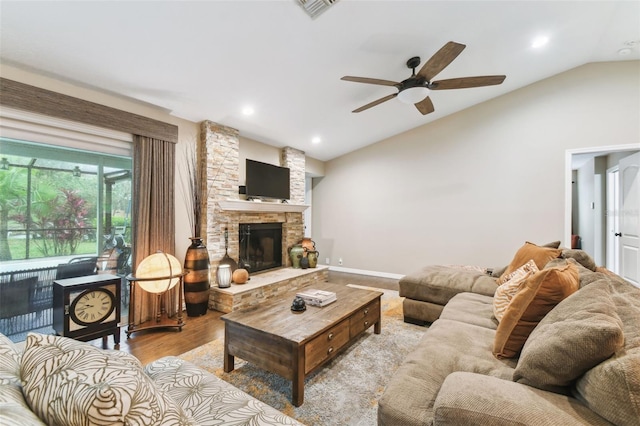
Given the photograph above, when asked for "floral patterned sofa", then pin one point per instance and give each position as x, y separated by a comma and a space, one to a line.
59, 381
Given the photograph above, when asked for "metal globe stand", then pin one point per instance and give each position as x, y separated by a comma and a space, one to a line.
162, 320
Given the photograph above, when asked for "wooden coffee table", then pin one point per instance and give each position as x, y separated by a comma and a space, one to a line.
294, 344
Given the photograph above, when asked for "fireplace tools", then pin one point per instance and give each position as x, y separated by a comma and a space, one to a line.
227, 260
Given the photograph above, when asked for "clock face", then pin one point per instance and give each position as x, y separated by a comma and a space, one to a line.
92, 306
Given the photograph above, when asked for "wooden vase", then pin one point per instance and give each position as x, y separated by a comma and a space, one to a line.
196, 282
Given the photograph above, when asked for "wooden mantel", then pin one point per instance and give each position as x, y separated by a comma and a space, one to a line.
256, 206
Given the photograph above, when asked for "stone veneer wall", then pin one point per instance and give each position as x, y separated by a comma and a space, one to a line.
228, 302
294, 160
219, 150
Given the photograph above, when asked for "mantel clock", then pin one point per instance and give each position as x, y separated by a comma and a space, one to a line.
85, 308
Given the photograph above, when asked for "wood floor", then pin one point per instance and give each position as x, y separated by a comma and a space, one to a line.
149, 345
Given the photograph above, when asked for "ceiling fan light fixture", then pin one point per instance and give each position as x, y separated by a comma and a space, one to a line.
413, 95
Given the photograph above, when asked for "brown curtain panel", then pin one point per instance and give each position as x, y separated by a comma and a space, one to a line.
153, 218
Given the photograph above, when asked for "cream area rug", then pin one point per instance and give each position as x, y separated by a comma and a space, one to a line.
344, 391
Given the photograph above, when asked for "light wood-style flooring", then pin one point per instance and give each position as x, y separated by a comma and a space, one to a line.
149, 345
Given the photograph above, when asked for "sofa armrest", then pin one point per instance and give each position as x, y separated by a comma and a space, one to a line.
475, 399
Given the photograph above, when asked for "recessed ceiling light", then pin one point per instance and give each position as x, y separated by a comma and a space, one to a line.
316, 139
248, 110
624, 51
539, 41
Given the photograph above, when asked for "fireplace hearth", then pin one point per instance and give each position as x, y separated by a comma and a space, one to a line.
260, 246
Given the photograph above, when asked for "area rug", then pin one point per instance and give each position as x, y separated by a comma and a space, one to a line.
344, 391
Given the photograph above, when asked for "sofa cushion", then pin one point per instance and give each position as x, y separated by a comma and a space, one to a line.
9, 362
618, 377
506, 291
471, 308
540, 293
13, 407
541, 256
210, 400
579, 333
475, 399
74, 383
439, 283
447, 346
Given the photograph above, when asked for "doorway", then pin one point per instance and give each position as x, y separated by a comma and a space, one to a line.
593, 198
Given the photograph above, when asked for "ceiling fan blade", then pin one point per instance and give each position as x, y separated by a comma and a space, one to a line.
425, 106
467, 82
369, 80
441, 59
376, 102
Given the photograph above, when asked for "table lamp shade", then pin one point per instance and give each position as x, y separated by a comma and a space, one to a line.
160, 265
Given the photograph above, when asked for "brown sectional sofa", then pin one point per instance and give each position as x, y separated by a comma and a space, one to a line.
579, 366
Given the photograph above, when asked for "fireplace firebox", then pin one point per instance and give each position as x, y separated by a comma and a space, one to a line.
260, 246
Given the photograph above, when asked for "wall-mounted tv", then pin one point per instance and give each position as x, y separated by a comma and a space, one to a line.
266, 181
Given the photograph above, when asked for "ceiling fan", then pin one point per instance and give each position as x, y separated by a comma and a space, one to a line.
415, 89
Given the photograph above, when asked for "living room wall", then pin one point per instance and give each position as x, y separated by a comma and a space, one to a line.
472, 187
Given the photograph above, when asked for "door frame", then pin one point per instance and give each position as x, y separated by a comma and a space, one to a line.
569, 153
612, 252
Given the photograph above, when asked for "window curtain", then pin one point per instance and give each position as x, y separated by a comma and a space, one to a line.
154, 212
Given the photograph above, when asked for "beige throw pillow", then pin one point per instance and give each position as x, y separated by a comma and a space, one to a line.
540, 255
539, 293
579, 333
505, 292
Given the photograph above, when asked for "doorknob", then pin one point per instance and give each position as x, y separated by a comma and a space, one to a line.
618, 234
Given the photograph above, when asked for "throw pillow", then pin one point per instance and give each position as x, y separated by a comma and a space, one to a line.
74, 383
579, 333
580, 256
9, 362
540, 255
539, 293
505, 292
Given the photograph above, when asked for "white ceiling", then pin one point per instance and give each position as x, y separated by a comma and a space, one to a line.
207, 60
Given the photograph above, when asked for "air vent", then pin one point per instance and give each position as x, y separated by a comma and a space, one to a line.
315, 7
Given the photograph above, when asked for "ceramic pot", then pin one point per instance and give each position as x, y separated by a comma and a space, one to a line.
196, 282
304, 263
295, 253
308, 244
312, 256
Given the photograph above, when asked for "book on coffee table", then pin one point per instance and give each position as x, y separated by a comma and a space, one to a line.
315, 297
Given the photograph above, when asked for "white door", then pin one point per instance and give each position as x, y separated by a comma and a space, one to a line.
629, 175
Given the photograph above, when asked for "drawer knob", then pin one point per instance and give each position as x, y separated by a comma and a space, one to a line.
366, 323
330, 350
366, 311
330, 336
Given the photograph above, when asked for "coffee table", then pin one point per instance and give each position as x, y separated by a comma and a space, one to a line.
294, 344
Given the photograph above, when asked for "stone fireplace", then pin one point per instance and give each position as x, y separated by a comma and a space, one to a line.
219, 158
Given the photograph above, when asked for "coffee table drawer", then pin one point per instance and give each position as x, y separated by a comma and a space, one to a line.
365, 317
325, 345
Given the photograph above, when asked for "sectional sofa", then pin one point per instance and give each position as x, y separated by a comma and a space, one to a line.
556, 343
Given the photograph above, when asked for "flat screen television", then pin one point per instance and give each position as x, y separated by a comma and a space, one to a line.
266, 181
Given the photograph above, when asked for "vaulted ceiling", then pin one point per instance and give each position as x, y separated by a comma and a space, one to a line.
210, 60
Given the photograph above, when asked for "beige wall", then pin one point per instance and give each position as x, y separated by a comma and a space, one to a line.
470, 188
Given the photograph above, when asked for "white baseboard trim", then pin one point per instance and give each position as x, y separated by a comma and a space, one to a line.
365, 272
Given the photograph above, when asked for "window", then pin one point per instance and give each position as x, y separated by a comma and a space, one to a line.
57, 201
